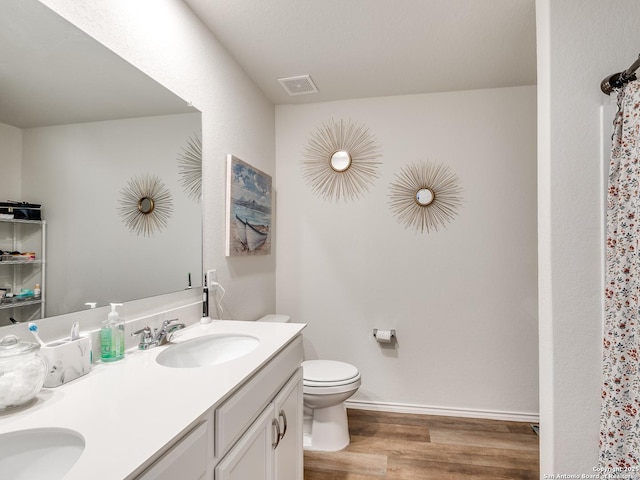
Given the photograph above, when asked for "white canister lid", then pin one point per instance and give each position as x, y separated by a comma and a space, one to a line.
12, 346
328, 371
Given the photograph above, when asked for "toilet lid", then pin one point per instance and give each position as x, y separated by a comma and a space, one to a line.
323, 372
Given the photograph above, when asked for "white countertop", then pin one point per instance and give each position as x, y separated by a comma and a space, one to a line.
128, 410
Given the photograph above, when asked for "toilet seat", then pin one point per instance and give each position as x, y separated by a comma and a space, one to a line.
328, 373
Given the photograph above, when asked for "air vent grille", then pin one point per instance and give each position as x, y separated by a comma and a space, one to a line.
300, 85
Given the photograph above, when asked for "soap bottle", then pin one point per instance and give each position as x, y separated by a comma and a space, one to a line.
112, 336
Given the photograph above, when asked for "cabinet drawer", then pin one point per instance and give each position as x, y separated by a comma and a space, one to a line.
186, 460
235, 415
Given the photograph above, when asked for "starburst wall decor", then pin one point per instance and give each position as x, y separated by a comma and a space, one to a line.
425, 196
190, 168
146, 205
340, 160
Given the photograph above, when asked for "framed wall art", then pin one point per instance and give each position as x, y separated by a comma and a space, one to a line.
249, 207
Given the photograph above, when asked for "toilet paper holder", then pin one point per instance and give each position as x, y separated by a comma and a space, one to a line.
375, 333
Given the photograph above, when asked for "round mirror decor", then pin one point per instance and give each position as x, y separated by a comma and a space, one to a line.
425, 196
146, 205
340, 160
190, 168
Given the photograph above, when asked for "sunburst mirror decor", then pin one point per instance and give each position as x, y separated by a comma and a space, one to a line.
425, 196
340, 160
146, 205
190, 168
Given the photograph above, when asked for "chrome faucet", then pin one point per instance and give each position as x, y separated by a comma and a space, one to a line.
165, 334
158, 337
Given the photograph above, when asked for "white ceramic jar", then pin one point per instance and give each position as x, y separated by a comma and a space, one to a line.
22, 371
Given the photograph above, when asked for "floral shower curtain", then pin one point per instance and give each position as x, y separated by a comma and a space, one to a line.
620, 418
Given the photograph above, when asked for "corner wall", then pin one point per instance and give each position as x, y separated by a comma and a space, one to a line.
464, 299
11, 155
579, 44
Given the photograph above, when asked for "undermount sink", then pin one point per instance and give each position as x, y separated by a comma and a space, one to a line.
39, 453
208, 350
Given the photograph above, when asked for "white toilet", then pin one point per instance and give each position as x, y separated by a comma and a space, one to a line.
326, 386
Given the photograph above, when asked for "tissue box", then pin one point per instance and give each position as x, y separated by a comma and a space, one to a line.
66, 360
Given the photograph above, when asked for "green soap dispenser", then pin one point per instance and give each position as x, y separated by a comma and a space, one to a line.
112, 336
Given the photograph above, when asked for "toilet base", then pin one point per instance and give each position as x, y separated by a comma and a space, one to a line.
326, 429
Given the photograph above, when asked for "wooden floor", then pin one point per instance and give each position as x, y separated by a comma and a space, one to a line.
422, 447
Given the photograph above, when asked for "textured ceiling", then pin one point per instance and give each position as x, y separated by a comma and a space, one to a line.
369, 48
51, 73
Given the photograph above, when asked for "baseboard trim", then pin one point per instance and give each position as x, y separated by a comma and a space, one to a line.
443, 411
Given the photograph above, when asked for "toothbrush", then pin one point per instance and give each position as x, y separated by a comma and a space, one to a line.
75, 331
33, 328
205, 298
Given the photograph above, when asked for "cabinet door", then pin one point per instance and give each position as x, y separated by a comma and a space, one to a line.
251, 458
289, 412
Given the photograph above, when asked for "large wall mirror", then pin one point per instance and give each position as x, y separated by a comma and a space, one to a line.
77, 123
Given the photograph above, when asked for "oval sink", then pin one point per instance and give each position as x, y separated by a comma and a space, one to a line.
208, 350
39, 453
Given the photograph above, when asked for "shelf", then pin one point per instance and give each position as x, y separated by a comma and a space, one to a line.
21, 262
20, 303
14, 274
14, 220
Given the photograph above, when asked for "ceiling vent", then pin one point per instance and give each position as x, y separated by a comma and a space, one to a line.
301, 85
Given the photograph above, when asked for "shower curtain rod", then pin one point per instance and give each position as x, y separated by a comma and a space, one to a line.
617, 80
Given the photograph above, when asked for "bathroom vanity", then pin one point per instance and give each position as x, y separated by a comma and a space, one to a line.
235, 420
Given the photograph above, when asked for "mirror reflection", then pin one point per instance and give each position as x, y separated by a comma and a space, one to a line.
146, 205
76, 123
340, 160
424, 197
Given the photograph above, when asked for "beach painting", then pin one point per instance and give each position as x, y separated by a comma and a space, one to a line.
249, 204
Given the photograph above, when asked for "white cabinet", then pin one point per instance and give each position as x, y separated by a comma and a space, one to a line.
271, 449
237, 413
22, 271
255, 434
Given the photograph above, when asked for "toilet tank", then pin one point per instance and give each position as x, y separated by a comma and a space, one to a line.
275, 317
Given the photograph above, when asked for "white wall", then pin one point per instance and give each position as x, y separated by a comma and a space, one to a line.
10, 163
167, 41
463, 300
579, 43
77, 172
